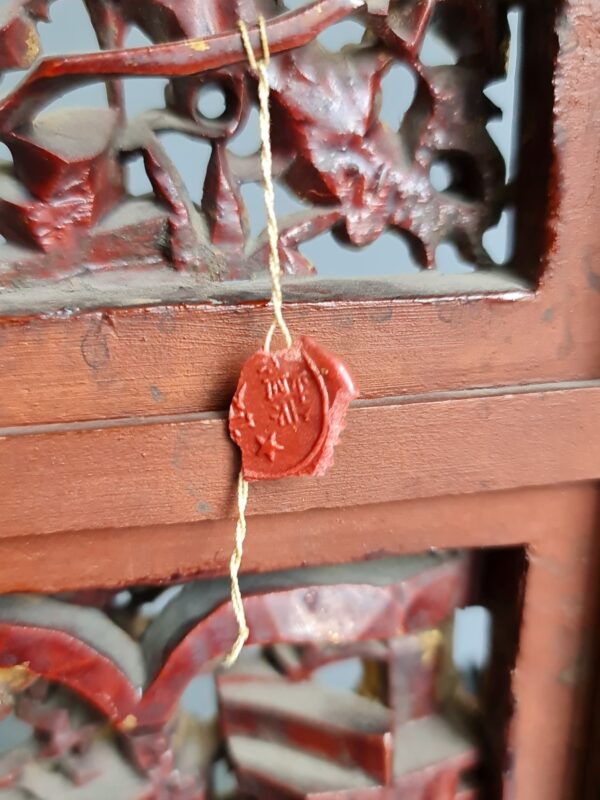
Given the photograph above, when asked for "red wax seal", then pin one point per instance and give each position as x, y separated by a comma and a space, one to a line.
288, 411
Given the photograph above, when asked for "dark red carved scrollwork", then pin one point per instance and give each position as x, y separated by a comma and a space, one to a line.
68, 670
64, 203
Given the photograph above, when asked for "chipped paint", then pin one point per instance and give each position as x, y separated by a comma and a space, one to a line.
129, 723
32, 48
430, 643
17, 677
199, 45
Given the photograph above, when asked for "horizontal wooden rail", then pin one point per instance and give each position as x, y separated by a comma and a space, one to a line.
165, 472
119, 557
186, 358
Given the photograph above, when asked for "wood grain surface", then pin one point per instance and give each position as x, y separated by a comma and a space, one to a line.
130, 474
116, 557
173, 360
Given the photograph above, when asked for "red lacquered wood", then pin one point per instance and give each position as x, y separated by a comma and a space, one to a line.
60, 657
168, 472
149, 554
295, 616
361, 738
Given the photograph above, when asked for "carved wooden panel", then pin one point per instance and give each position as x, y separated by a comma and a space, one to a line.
65, 207
100, 686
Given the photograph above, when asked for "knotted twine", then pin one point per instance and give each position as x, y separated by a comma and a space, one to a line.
259, 67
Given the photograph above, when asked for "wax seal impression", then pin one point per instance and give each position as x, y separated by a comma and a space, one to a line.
288, 411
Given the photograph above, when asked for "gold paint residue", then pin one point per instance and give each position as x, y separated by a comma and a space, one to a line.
430, 642
129, 723
373, 683
16, 678
32, 47
199, 45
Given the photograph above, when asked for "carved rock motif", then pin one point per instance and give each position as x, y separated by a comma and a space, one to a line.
83, 178
81, 670
19, 42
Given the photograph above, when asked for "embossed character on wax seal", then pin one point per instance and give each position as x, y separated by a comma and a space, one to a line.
288, 411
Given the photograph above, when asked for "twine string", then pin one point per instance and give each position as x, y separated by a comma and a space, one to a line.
234, 569
266, 163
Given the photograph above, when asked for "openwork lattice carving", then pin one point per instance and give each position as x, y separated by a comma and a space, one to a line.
64, 203
100, 688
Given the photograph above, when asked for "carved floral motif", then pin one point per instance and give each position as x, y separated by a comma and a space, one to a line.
64, 204
100, 688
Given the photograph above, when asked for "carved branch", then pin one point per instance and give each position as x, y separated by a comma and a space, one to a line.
57, 74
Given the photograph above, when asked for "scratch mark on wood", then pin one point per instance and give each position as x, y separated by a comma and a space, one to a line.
156, 393
593, 280
94, 346
548, 315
